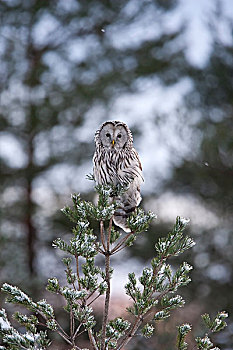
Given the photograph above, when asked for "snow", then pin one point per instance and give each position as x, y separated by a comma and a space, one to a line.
186, 267
29, 337
45, 307
184, 221
222, 314
83, 224
4, 324
20, 296
176, 299
71, 293
185, 327
148, 272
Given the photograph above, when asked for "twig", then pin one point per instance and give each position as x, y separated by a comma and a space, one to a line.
118, 250
109, 234
107, 299
102, 235
101, 251
84, 330
77, 268
62, 333
76, 347
62, 330
140, 319
77, 330
107, 278
94, 300
63, 336
122, 241
130, 333
67, 271
71, 323
92, 340
90, 295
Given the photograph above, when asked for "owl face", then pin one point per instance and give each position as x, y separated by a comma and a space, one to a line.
114, 136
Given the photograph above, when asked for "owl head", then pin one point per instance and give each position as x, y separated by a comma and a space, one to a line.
114, 135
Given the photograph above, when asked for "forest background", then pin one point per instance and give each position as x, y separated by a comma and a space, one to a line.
163, 67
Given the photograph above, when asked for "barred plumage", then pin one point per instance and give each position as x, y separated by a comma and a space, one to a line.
117, 162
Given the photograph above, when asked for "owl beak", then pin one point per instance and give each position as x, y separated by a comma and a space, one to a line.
113, 143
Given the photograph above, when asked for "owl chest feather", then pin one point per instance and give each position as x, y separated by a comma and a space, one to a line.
114, 167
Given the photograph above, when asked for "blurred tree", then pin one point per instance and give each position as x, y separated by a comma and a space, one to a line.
207, 174
62, 65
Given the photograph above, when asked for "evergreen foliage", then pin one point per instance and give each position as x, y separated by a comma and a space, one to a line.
215, 325
153, 294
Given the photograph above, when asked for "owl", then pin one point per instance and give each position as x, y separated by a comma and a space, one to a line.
117, 162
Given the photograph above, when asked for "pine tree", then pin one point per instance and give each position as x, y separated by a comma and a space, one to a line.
207, 173
153, 293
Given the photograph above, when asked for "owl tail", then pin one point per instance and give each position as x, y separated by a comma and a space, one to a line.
127, 203
120, 219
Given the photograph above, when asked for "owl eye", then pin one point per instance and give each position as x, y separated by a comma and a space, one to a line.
119, 136
108, 135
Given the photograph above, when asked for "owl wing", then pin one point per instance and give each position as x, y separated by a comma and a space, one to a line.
130, 169
130, 174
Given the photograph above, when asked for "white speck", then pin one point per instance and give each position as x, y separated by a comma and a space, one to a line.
206, 164
102, 30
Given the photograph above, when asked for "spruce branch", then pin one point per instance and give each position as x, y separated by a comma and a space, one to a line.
92, 340
130, 334
102, 235
107, 279
77, 271
120, 244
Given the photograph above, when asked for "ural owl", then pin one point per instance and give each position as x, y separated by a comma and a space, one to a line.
117, 162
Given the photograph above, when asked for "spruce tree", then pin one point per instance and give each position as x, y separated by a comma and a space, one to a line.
153, 294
